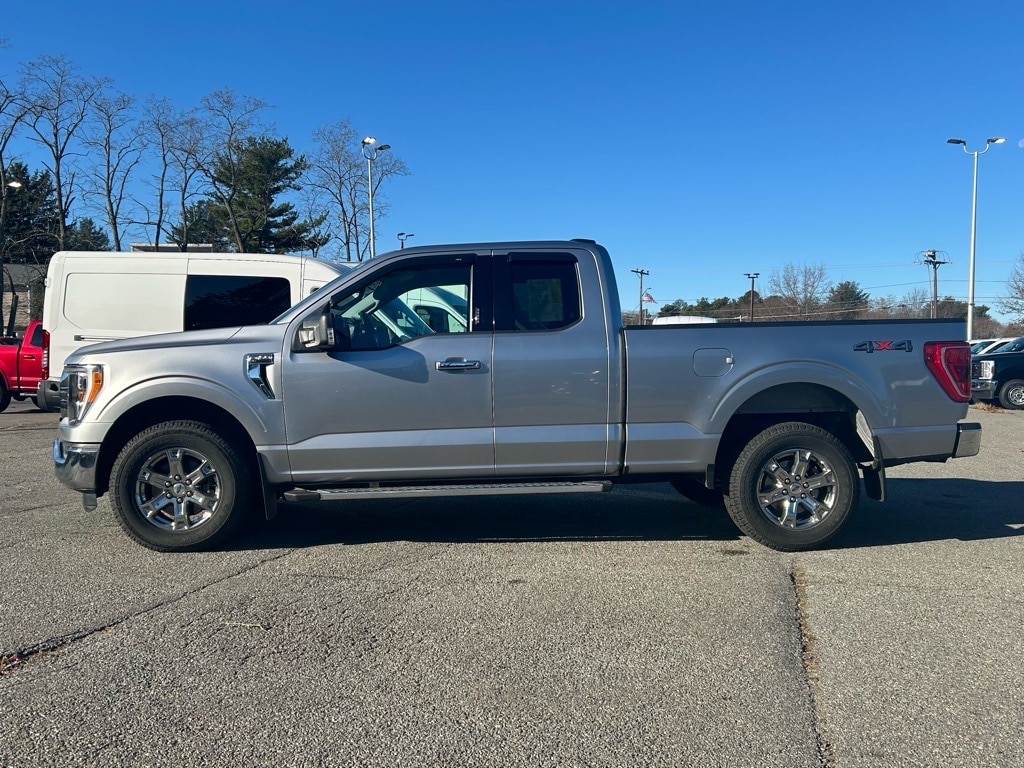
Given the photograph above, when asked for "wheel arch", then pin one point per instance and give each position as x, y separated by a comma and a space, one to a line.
815, 404
173, 408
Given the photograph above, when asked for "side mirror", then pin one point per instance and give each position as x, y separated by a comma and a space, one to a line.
316, 334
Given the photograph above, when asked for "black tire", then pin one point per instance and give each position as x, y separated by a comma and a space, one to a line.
179, 486
1011, 394
5, 397
793, 487
697, 492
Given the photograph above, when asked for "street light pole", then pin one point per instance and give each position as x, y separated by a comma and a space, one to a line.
370, 151
974, 225
753, 276
402, 237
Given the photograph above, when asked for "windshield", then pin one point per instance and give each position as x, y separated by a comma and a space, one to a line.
1014, 346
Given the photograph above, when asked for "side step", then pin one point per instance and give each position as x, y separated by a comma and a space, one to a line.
461, 489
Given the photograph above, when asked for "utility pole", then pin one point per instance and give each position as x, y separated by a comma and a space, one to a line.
753, 276
641, 273
931, 259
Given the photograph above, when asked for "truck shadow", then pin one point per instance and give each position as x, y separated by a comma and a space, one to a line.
916, 511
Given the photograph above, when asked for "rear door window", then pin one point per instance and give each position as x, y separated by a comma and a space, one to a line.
223, 301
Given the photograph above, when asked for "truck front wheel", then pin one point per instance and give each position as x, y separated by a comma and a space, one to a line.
792, 487
5, 397
179, 486
1011, 394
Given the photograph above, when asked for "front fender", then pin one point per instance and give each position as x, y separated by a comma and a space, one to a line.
259, 416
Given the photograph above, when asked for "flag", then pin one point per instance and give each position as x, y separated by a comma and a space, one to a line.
649, 299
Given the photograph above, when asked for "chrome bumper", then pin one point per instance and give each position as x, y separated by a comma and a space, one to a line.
968, 440
75, 467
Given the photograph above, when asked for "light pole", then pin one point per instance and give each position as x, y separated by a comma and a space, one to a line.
753, 276
402, 237
370, 150
974, 224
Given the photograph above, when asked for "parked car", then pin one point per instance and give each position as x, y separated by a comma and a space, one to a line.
999, 375
24, 362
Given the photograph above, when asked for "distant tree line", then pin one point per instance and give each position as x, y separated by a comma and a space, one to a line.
803, 292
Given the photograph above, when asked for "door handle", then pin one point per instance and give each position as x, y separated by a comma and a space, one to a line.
457, 364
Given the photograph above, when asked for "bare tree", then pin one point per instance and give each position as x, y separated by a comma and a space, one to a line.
1013, 302
803, 288
58, 101
228, 120
157, 127
12, 113
338, 170
116, 139
177, 140
313, 205
188, 157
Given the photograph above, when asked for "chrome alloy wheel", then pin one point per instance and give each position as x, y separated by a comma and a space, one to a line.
177, 489
797, 489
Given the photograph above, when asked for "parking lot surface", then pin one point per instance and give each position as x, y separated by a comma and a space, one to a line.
625, 629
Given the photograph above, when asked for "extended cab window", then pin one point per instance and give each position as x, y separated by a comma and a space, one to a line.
221, 301
403, 304
545, 292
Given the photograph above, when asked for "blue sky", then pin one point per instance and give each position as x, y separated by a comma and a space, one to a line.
697, 141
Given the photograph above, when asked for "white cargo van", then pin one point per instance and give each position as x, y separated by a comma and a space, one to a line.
94, 296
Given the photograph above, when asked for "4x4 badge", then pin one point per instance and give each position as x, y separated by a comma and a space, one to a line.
887, 345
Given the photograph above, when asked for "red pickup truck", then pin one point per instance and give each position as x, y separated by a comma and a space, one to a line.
24, 363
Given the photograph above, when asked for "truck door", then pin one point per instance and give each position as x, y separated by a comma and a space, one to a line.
30, 360
397, 398
552, 400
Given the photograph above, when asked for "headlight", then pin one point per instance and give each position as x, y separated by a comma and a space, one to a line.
986, 368
79, 386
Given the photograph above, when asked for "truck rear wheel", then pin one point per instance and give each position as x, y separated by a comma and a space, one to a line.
179, 486
1011, 394
792, 487
5, 397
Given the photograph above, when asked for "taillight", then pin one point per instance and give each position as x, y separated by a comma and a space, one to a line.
950, 364
46, 355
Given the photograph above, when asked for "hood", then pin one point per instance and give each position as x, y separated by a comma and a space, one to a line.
212, 337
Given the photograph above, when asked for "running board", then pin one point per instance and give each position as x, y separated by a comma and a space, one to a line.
462, 489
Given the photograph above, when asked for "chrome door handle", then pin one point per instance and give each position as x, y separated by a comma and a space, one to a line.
457, 364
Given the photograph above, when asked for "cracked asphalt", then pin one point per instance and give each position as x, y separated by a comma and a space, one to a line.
626, 629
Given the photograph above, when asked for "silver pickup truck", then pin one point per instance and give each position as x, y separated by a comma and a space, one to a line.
504, 368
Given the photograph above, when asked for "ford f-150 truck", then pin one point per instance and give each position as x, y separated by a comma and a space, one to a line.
537, 389
999, 375
23, 364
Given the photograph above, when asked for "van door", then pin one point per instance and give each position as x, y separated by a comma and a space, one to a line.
395, 398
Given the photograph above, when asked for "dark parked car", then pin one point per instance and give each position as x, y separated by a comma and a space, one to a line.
1000, 375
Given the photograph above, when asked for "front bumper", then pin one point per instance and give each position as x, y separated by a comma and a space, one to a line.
75, 465
968, 440
983, 389
48, 395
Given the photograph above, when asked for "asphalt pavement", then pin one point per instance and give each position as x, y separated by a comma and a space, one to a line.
626, 629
